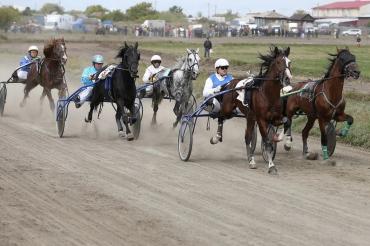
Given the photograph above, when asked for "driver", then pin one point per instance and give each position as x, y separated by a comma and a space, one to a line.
32, 56
150, 72
87, 78
216, 81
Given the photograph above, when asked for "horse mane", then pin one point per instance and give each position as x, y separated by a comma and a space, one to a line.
49, 46
332, 58
266, 62
122, 51
179, 62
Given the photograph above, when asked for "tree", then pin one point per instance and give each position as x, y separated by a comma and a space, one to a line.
175, 9
95, 10
49, 8
27, 11
141, 11
115, 15
229, 15
7, 16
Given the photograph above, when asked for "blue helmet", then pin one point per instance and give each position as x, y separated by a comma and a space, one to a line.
98, 59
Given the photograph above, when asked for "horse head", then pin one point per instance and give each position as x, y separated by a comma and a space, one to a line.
192, 62
348, 64
130, 58
56, 49
277, 64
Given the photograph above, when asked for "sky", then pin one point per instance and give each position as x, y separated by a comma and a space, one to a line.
286, 7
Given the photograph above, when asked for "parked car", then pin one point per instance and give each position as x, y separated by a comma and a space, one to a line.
352, 32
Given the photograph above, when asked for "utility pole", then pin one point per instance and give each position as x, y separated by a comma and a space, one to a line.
208, 12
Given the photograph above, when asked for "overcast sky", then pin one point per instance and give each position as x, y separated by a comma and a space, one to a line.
286, 7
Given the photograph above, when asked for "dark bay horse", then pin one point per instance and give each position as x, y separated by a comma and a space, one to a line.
179, 86
264, 107
123, 89
49, 73
323, 100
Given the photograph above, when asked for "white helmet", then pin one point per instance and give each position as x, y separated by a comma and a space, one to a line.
33, 47
221, 63
156, 58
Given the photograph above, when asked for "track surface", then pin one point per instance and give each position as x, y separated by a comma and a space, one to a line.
93, 188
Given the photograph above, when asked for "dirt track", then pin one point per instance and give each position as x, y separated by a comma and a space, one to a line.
92, 188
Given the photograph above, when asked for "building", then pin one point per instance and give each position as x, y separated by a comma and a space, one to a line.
270, 18
346, 9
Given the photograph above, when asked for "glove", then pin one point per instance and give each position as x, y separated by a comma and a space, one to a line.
217, 89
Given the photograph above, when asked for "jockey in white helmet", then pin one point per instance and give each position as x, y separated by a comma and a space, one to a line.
216, 81
150, 72
32, 56
87, 78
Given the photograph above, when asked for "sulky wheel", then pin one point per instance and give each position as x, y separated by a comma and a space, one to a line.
136, 127
271, 131
3, 92
185, 140
61, 115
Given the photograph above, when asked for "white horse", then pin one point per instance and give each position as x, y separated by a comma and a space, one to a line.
178, 85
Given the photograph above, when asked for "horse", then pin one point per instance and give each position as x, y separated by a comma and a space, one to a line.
122, 91
322, 100
264, 106
49, 73
178, 86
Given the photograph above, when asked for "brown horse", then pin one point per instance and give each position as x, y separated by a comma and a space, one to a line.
49, 73
265, 106
322, 100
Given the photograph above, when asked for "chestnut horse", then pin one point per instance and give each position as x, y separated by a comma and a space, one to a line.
264, 106
322, 100
49, 73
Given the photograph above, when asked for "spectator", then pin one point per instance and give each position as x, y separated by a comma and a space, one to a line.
358, 40
207, 47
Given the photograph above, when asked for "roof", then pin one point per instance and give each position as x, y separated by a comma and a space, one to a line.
271, 15
344, 5
302, 16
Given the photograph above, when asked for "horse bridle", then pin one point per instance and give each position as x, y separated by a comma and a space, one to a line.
196, 62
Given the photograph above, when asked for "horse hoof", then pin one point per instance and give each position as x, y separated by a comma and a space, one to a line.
276, 138
22, 104
311, 156
214, 140
130, 137
87, 120
272, 170
122, 134
287, 148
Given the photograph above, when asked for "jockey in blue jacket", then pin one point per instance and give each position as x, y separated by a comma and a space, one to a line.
216, 81
29, 58
87, 78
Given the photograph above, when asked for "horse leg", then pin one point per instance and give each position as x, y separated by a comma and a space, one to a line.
347, 125
248, 138
305, 132
288, 134
177, 111
263, 126
51, 100
29, 86
125, 117
42, 97
155, 109
218, 137
121, 133
89, 116
324, 142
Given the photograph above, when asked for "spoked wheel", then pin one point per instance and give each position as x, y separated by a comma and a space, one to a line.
136, 127
331, 136
271, 131
185, 140
61, 115
3, 92
253, 142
